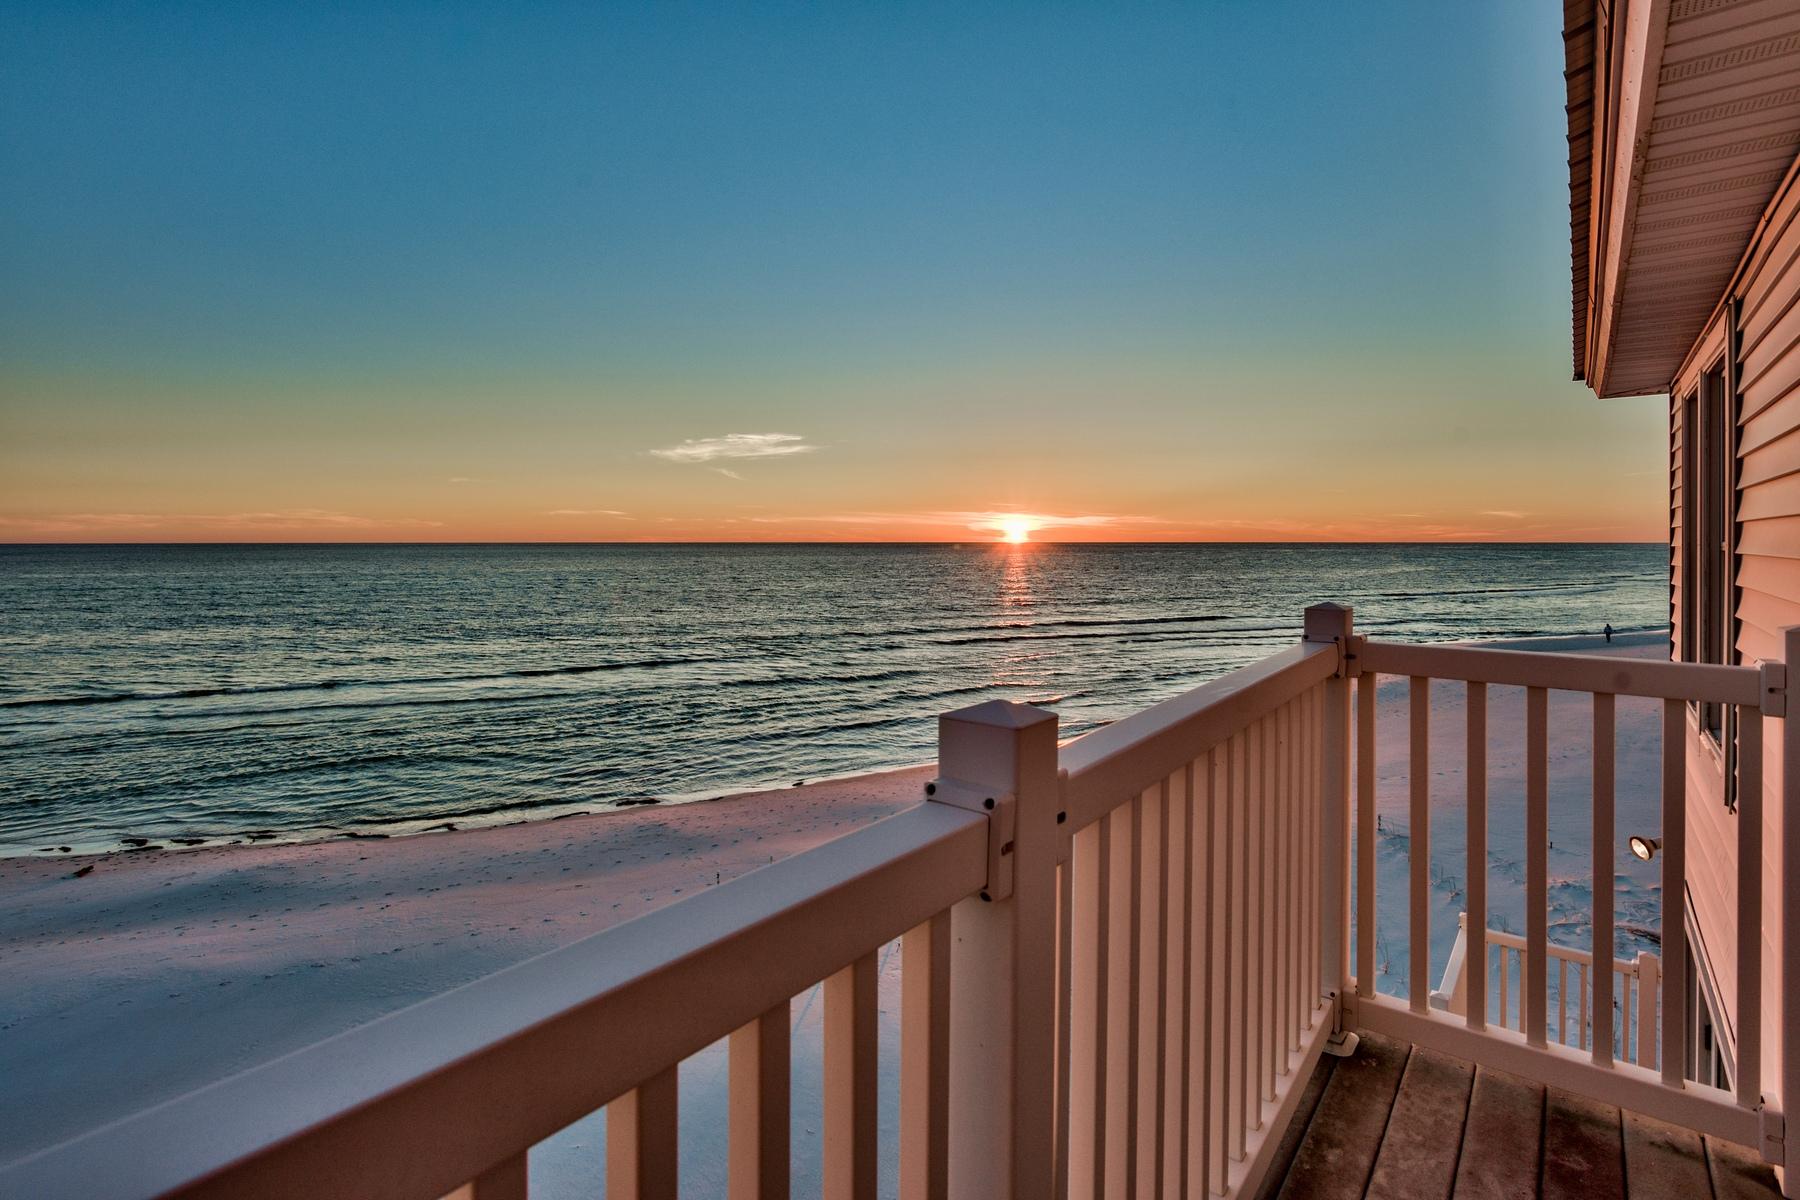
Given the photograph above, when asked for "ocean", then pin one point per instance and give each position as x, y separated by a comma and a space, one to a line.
202, 694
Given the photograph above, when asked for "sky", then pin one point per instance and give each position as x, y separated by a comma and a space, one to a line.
1224, 271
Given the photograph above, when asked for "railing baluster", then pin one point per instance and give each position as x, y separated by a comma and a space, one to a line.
924, 1066
1365, 834
1091, 855
757, 1115
1104, 1017
1750, 898
1786, 852
1303, 859
1065, 970
1134, 996
1316, 844
1291, 859
1505, 957
1674, 893
1624, 1017
1581, 1018
1215, 959
1475, 772
1605, 752
850, 1092
1121, 1078
1533, 979
1255, 908
1562, 1000
1183, 979
508, 1181
640, 1141
1197, 1081
1418, 854
1164, 921
1279, 941
1303, 774
1235, 1042
1265, 919
1649, 984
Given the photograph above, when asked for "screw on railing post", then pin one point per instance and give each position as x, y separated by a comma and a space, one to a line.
1334, 623
1003, 964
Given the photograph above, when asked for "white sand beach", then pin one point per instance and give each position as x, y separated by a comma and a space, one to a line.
156, 972
127, 979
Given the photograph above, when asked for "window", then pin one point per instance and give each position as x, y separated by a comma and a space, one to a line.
1708, 1058
1708, 585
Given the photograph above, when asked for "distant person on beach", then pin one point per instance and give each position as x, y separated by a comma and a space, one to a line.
1608, 632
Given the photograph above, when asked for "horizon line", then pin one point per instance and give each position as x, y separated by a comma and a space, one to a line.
848, 542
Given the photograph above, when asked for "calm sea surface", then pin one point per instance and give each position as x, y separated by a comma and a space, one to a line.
217, 692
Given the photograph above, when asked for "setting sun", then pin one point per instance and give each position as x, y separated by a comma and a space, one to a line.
1015, 529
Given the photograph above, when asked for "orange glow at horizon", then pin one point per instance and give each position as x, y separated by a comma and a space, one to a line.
528, 522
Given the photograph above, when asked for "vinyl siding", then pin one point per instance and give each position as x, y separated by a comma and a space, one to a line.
1767, 596
1768, 568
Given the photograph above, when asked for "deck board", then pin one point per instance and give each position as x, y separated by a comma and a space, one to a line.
1400, 1121
1663, 1159
1297, 1128
1503, 1139
1337, 1155
1738, 1173
1584, 1148
1418, 1155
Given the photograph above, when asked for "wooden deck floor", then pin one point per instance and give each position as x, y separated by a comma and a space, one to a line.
1396, 1121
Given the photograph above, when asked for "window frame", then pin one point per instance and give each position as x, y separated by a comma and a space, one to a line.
1709, 411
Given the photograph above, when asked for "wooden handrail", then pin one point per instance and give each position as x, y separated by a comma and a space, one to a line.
1109, 766
1567, 672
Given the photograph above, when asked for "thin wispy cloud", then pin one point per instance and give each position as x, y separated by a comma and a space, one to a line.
734, 446
1508, 514
465, 479
590, 512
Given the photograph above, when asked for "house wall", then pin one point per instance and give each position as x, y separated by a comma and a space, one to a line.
1756, 334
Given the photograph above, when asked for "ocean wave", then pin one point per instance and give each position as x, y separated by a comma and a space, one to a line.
1149, 635
327, 685
459, 683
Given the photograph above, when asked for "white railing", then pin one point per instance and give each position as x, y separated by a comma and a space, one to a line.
1120, 960
1192, 884
451, 1093
1635, 990
1063, 1028
1740, 1116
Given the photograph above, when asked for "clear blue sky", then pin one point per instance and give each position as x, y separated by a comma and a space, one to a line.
447, 270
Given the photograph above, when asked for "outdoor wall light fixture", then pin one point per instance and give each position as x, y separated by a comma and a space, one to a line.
1644, 847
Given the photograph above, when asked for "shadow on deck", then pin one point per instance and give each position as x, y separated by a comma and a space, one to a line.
1404, 1122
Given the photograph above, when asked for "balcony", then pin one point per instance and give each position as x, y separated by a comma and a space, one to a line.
1129, 965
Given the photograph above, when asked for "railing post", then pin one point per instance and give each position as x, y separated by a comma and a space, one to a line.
1001, 758
1334, 623
1787, 887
